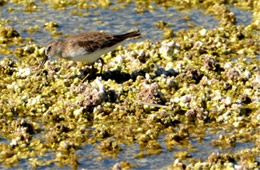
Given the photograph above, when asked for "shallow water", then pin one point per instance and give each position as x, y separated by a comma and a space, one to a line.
115, 22
89, 154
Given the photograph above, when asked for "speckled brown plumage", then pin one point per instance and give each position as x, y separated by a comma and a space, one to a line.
86, 47
92, 41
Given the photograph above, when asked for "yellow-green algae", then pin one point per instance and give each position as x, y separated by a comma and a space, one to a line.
180, 87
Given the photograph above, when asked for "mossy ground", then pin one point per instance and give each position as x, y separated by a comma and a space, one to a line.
194, 80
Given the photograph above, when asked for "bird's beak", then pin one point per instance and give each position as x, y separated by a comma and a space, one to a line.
44, 61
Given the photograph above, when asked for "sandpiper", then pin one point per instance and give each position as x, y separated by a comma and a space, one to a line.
86, 47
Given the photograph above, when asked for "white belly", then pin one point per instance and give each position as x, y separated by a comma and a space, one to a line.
91, 57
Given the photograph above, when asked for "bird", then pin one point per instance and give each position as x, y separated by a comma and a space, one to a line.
86, 47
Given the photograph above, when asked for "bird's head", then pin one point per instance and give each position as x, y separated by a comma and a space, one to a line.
52, 49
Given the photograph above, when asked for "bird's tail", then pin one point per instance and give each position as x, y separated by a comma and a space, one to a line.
129, 35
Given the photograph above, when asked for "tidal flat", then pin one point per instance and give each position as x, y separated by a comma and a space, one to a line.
185, 95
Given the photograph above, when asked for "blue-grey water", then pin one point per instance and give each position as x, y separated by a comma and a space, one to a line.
118, 21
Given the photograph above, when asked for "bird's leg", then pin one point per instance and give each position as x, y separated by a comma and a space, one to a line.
102, 63
92, 68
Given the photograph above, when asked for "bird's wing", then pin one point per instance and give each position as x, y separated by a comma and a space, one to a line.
98, 40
